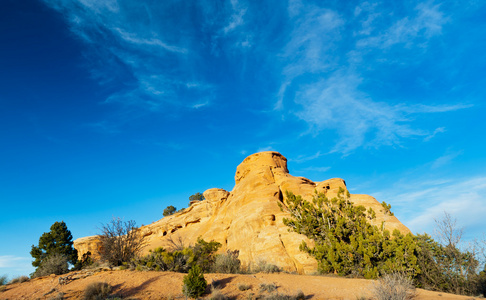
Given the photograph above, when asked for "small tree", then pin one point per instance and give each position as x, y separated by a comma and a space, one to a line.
120, 241
169, 210
194, 283
57, 241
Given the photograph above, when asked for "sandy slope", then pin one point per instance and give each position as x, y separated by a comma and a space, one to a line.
168, 285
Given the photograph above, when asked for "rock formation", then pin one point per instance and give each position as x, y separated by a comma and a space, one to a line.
248, 218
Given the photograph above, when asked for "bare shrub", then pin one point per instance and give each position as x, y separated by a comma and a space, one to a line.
264, 267
97, 291
243, 286
59, 296
396, 286
19, 279
299, 296
54, 264
216, 294
227, 263
267, 287
120, 241
176, 243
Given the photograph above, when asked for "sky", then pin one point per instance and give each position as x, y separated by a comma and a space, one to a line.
119, 108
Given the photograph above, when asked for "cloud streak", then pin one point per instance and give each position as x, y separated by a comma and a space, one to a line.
425, 201
312, 66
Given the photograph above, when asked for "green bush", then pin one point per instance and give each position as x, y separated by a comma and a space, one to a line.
3, 279
159, 259
194, 283
345, 241
97, 291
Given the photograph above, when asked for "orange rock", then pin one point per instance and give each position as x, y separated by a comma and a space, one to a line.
248, 218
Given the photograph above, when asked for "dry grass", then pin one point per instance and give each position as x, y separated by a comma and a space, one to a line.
19, 279
97, 291
243, 286
396, 286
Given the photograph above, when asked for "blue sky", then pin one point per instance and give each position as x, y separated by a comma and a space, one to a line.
121, 108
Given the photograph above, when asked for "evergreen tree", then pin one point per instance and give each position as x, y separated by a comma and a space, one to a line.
345, 241
169, 210
57, 241
196, 197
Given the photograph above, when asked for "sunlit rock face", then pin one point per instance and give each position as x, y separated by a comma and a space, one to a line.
249, 218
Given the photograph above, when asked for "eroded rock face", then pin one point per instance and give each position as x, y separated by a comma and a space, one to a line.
248, 218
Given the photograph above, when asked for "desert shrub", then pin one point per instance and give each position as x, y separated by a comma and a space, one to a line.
57, 241
194, 283
270, 287
227, 263
3, 279
264, 267
84, 262
216, 294
396, 286
299, 296
97, 291
243, 286
204, 254
120, 241
19, 279
53, 264
345, 241
181, 259
58, 296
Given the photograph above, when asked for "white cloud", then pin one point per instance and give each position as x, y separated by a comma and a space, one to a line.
236, 18
141, 54
436, 131
427, 23
11, 261
423, 201
336, 103
445, 159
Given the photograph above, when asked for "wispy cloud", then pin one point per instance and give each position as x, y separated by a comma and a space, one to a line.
427, 22
11, 261
323, 74
424, 201
141, 55
445, 159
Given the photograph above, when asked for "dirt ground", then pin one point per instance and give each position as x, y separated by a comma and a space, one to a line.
168, 285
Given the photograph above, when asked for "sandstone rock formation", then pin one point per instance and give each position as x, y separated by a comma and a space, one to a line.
248, 218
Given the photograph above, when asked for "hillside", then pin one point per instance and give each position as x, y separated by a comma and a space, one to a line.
168, 285
248, 218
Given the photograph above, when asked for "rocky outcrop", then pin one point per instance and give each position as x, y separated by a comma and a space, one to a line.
249, 218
